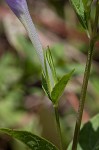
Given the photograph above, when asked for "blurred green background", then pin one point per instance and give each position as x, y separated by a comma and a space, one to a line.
23, 104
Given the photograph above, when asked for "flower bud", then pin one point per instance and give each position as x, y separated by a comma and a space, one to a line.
20, 9
17, 6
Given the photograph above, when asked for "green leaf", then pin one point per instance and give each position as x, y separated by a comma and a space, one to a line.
51, 64
89, 135
87, 6
59, 87
32, 141
45, 86
49, 78
49, 73
80, 11
87, 3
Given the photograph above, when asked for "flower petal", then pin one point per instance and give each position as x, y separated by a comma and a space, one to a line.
17, 6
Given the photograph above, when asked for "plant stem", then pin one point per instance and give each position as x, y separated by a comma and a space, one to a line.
85, 79
83, 95
95, 27
58, 126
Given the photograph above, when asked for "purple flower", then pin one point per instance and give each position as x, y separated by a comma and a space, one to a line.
20, 9
17, 6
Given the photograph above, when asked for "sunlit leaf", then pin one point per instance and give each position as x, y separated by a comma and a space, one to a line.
80, 11
59, 87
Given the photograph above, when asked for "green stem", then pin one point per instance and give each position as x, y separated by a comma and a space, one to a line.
58, 126
85, 79
83, 95
96, 19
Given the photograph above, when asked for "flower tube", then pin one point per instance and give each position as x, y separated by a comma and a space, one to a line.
20, 9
